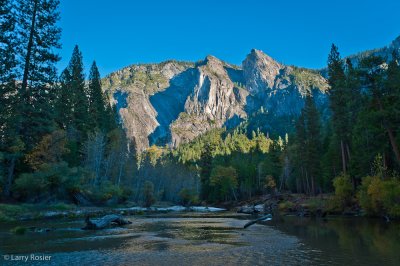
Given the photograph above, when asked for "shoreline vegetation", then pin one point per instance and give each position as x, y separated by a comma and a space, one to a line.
300, 205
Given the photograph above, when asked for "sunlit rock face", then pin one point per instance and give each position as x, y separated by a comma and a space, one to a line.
173, 102
261, 71
280, 89
213, 102
137, 84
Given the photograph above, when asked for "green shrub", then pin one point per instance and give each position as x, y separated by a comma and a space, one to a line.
57, 179
343, 191
224, 181
391, 198
104, 192
314, 204
19, 230
363, 196
126, 194
380, 197
8, 212
188, 196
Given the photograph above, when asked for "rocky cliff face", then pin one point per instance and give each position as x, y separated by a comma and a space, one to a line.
261, 72
174, 102
215, 101
131, 89
278, 88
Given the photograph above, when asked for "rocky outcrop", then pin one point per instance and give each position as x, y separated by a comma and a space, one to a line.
214, 102
261, 72
278, 88
174, 102
131, 89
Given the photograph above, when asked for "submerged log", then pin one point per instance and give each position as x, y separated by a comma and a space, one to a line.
268, 216
105, 222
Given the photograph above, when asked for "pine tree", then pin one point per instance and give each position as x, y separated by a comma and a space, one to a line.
313, 142
8, 63
36, 35
353, 84
113, 116
205, 172
339, 99
330, 161
10, 144
98, 105
299, 152
375, 128
391, 103
63, 106
76, 85
7, 48
72, 107
308, 147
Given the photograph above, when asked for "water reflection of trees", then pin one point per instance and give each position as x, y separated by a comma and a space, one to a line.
363, 240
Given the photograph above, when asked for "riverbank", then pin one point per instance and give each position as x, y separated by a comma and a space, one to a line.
26, 212
283, 203
297, 204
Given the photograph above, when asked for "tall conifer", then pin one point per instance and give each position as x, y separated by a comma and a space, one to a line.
37, 34
10, 144
339, 99
313, 142
79, 97
97, 101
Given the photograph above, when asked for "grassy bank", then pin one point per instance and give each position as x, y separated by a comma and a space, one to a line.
20, 212
13, 212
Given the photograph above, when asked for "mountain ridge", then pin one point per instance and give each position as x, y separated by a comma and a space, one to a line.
173, 102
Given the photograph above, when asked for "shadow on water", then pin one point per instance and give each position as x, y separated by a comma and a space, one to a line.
351, 241
62, 236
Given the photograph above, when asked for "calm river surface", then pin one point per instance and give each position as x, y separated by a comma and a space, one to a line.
207, 239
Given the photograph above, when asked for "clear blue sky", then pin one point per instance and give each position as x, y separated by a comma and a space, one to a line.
117, 33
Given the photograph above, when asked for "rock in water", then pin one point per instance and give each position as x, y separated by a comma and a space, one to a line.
105, 222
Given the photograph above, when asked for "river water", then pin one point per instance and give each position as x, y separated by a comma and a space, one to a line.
206, 239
